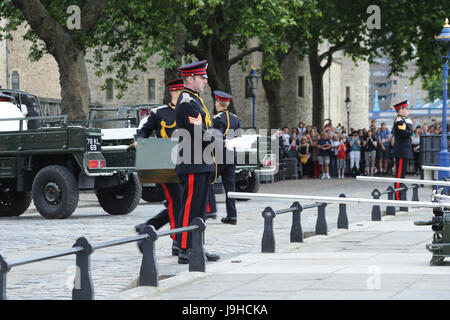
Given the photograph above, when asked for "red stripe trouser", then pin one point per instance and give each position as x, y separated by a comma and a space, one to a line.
173, 193
193, 203
400, 166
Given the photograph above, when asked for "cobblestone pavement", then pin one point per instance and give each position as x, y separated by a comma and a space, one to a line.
114, 268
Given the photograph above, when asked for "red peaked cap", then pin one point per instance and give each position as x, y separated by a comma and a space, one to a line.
176, 84
222, 96
196, 68
403, 104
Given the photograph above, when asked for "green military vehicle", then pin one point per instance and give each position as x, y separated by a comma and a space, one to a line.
119, 126
52, 160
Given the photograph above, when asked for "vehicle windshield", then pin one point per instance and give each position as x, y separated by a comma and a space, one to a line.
33, 108
118, 117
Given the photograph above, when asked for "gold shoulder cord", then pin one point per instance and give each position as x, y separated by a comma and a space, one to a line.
164, 126
228, 123
208, 125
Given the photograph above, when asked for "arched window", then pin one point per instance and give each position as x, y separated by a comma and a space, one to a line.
15, 80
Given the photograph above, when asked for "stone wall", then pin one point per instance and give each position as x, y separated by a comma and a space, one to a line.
357, 78
2, 59
41, 77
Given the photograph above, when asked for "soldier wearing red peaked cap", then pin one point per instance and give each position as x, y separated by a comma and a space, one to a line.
194, 169
402, 131
161, 120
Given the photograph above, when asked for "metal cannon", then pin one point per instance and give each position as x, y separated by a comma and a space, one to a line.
440, 224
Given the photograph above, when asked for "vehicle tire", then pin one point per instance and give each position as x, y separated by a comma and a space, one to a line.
122, 199
252, 184
55, 192
13, 203
153, 194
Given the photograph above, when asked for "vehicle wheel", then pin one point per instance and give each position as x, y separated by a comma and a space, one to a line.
249, 185
13, 203
153, 194
122, 199
55, 192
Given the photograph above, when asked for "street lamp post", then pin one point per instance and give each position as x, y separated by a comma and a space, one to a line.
348, 103
443, 45
254, 77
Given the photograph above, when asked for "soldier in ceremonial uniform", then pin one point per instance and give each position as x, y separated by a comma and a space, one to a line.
402, 131
195, 171
227, 123
211, 207
161, 120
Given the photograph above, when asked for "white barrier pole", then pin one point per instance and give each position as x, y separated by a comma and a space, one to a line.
416, 204
416, 181
433, 168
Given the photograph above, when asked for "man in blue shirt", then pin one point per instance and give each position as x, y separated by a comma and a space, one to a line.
384, 141
323, 156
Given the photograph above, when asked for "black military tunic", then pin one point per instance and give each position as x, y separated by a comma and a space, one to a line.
162, 121
402, 131
227, 123
195, 171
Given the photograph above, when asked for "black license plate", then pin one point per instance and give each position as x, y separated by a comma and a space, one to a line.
93, 144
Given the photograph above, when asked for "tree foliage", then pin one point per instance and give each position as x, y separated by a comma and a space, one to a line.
225, 32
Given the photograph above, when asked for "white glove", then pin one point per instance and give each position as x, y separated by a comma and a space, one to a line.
409, 121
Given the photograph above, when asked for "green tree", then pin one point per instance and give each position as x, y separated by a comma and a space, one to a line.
217, 26
145, 28
407, 33
48, 22
434, 86
287, 35
342, 24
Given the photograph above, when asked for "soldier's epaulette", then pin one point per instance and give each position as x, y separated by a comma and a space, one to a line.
399, 118
155, 110
186, 98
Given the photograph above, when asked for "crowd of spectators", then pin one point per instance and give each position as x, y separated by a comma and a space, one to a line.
334, 153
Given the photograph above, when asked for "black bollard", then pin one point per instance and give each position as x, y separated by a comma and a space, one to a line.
268, 238
376, 211
4, 269
415, 195
148, 275
296, 229
342, 222
197, 261
83, 288
321, 224
445, 188
403, 196
390, 210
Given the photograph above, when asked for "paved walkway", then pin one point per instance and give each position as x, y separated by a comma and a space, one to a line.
370, 260
113, 269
